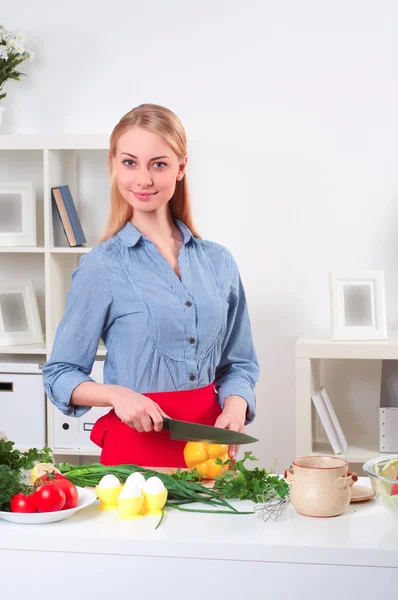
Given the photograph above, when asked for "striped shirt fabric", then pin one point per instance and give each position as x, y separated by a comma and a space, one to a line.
161, 333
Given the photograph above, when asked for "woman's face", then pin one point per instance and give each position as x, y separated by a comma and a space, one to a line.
146, 169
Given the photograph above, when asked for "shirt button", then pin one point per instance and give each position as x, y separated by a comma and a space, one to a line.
192, 340
192, 377
189, 303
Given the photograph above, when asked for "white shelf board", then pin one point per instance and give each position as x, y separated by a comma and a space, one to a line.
22, 249
55, 142
24, 349
321, 346
76, 452
359, 450
68, 250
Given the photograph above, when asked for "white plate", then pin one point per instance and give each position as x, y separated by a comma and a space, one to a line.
86, 497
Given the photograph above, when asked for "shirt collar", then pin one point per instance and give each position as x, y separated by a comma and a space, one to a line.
130, 234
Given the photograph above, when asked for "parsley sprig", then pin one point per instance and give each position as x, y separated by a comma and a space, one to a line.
18, 460
258, 485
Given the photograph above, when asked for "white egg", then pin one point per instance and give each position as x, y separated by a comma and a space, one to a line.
108, 482
131, 491
135, 479
153, 486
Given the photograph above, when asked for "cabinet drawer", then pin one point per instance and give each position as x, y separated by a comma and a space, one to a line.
72, 432
22, 409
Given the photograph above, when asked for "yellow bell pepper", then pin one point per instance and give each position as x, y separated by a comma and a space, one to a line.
203, 456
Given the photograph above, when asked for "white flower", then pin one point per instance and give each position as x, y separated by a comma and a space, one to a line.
3, 53
17, 46
30, 54
4, 33
20, 38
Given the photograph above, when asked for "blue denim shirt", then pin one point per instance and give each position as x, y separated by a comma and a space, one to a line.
162, 333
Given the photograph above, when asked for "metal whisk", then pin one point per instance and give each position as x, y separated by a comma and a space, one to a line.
271, 508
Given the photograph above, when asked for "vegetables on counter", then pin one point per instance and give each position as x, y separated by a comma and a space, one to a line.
28, 487
52, 487
13, 463
203, 457
180, 490
258, 485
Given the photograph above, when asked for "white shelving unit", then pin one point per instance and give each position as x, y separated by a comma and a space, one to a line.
79, 161
309, 356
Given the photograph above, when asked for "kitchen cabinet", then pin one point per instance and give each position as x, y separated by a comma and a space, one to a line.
197, 555
79, 161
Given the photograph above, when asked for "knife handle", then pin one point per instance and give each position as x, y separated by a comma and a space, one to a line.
166, 423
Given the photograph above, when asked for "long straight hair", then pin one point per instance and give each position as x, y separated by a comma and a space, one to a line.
164, 122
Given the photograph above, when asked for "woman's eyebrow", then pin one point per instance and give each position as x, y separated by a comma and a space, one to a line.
154, 158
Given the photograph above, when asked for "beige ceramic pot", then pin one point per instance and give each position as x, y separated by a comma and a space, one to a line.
320, 485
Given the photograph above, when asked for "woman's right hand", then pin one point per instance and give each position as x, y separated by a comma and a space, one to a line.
136, 410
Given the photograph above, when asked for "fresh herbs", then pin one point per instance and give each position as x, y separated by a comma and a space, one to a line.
258, 485
12, 464
18, 460
9, 486
181, 475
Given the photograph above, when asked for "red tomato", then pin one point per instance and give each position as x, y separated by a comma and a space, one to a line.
22, 504
71, 493
49, 498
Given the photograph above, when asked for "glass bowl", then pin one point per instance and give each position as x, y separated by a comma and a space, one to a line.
385, 488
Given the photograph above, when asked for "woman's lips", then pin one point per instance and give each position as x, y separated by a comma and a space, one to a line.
144, 196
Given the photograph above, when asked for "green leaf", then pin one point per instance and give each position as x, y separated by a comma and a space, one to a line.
255, 484
17, 460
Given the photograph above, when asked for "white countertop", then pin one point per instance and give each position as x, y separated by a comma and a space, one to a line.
367, 535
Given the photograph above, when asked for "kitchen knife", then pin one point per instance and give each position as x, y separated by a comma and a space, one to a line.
194, 432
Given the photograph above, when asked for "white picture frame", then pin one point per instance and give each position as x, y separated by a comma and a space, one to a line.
19, 314
17, 213
357, 306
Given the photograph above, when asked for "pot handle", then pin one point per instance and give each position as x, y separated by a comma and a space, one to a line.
289, 475
350, 479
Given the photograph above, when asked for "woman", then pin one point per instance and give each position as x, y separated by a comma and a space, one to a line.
170, 308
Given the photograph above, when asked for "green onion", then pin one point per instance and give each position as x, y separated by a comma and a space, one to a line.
179, 491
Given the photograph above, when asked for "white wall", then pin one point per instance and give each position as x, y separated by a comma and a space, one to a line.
291, 112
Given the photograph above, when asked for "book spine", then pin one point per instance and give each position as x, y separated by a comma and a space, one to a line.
63, 215
327, 423
335, 420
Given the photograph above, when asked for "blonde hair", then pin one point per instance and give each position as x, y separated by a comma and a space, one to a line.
164, 122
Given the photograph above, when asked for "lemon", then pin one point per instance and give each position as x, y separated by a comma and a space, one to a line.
390, 469
42, 469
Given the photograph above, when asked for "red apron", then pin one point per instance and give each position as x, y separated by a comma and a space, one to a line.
122, 444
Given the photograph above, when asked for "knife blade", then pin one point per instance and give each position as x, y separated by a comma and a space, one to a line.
195, 432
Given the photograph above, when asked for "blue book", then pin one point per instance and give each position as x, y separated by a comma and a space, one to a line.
68, 214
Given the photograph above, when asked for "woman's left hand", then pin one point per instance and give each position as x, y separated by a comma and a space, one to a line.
233, 417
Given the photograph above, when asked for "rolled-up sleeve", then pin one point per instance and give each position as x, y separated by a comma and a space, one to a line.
238, 370
88, 313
